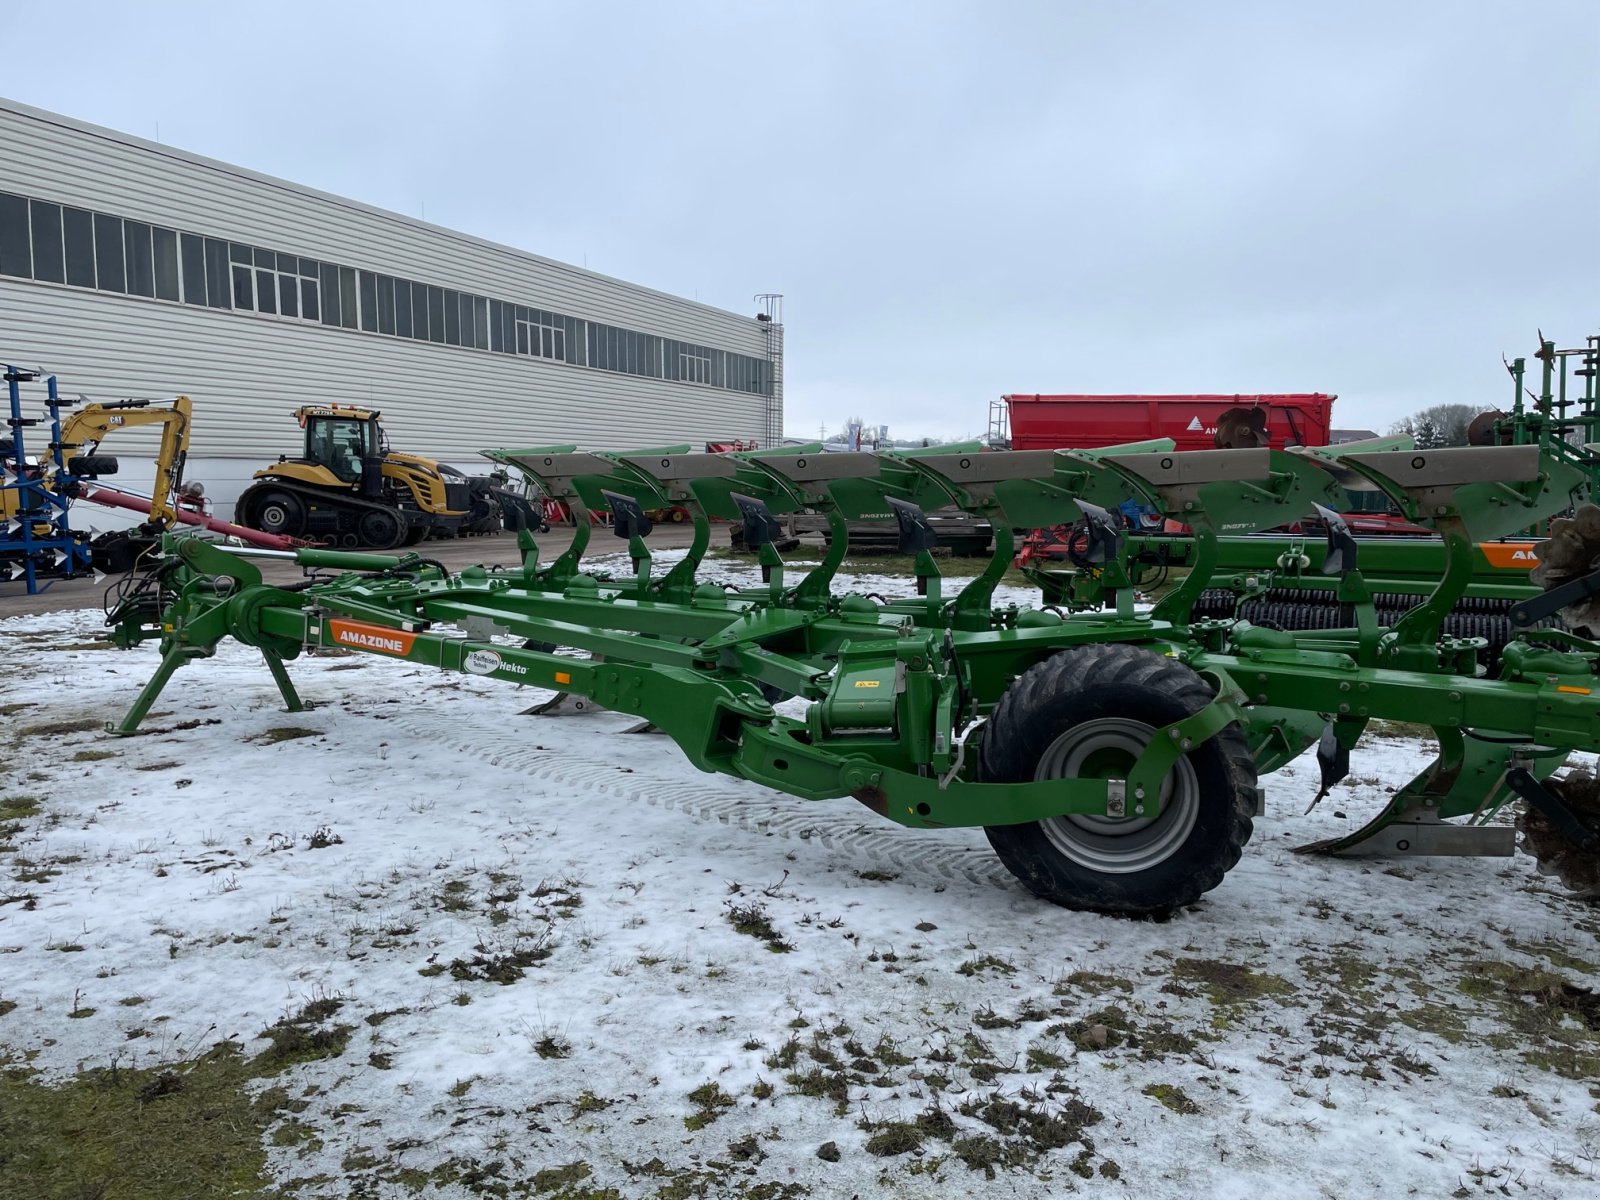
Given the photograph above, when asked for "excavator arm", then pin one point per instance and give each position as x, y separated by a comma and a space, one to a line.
83, 432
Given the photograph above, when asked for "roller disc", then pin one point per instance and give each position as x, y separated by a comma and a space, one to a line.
1553, 853
1571, 552
1242, 429
1482, 432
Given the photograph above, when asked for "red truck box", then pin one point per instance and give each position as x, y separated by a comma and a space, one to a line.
1088, 422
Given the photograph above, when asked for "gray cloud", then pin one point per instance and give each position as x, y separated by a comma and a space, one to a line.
957, 200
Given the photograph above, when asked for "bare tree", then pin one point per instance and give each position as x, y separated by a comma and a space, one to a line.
1440, 425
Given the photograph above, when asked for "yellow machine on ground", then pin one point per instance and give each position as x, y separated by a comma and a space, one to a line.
83, 431
349, 488
76, 460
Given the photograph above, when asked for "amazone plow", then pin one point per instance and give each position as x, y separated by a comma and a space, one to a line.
1111, 755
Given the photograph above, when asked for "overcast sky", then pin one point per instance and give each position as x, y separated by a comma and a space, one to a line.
956, 200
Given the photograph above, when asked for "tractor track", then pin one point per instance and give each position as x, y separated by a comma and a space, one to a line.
759, 811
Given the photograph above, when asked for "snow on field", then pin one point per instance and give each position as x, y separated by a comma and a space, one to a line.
552, 942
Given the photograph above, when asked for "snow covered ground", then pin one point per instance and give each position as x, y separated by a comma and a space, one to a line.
543, 944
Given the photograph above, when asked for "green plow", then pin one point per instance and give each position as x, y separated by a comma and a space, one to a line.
1112, 754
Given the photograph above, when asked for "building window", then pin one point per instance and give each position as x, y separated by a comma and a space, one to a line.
141, 267
452, 317
218, 292
165, 246
77, 227
15, 257
419, 312
48, 263
367, 283
347, 297
108, 265
540, 337
435, 314
480, 322
385, 304
694, 367
330, 293
402, 308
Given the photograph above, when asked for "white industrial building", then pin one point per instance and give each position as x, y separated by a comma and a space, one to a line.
129, 268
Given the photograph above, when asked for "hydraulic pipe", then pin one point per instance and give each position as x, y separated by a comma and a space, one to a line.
349, 560
112, 498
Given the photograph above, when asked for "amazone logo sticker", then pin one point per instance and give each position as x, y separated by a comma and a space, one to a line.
1503, 554
371, 637
487, 662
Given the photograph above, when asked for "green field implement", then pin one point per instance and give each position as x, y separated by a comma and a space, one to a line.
1112, 755
1400, 561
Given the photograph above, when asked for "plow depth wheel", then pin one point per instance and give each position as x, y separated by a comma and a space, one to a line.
1089, 713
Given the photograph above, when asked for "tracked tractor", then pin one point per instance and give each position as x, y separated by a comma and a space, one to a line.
350, 489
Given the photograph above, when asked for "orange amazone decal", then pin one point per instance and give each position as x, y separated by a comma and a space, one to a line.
1510, 555
371, 637
1572, 691
563, 677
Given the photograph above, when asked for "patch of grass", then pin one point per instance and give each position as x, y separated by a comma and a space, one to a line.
822, 1084
550, 1046
1171, 1096
709, 1100
16, 808
1037, 1129
503, 969
304, 1038
284, 733
1409, 730
93, 755
60, 728
987, 962
322, 838
752, 921
588, 1102
191, 1129
1230, 983
1044, 1060
560, 1179
893, 1138
1092, 982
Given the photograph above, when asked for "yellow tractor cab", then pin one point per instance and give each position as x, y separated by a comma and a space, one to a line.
350, 489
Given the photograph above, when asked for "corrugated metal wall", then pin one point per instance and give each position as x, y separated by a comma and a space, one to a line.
246, 371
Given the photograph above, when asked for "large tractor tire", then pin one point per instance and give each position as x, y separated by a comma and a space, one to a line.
1553, 852
1089, 713
1571, 552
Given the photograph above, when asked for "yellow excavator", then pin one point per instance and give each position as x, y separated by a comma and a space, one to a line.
350, 489
82, 462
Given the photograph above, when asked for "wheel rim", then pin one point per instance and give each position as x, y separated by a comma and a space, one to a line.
380, 529
1108, 748
274, 514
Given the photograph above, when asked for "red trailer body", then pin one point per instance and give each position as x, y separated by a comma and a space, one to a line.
1089, 422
